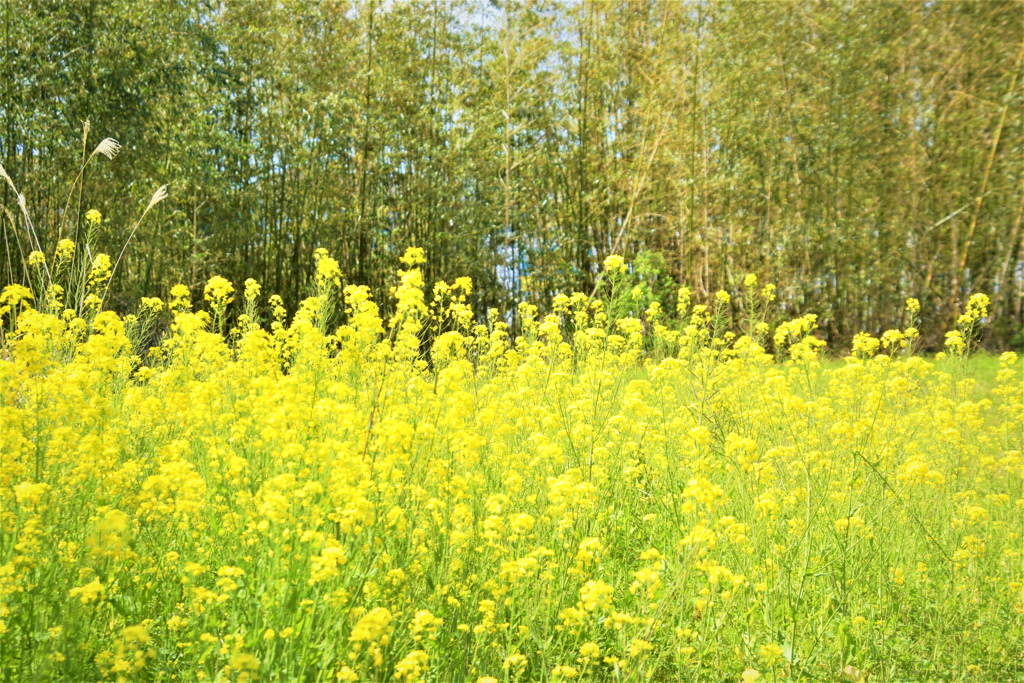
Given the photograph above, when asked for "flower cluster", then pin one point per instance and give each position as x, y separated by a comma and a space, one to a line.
603, 495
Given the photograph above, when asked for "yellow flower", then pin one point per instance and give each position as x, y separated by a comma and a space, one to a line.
252, 290
412, 666
413, 256
424, 621
514, 661
218, 292
977, 306
328, 272
638, 646
194, 568
99, 272
615, 264
14, 295
479, 480
150, 305
955, 341
374, 626
682, 301
865, 345
135, 634
596, 595
243, 661
90, 592
892, 339
346, 674
523, 523
913, 307
65, 250
93, 216
29, 494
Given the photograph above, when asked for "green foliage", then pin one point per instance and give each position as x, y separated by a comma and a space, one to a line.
862, 152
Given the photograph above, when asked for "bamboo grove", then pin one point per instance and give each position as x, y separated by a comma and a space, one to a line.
861, 152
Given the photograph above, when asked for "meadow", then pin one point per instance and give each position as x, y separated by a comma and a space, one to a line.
603, 495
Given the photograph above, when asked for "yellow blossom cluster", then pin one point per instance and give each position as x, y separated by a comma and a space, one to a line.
443, 494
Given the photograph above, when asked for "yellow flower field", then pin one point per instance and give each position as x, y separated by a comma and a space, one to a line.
602, 497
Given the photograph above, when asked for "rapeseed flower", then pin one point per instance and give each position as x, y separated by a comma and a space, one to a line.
578, 492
